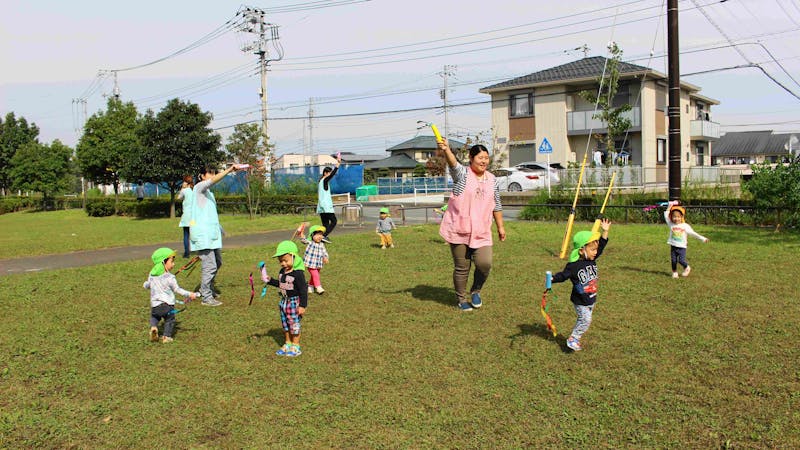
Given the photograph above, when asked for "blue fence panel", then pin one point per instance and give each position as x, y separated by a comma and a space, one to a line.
389, 186
347, 178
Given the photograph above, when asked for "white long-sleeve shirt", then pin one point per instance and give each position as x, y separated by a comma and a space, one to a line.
679, 231
163, 289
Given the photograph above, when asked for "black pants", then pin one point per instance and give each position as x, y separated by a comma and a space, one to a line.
328, 221
678, 256
163, 311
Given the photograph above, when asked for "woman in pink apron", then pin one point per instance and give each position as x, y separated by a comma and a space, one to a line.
467, 222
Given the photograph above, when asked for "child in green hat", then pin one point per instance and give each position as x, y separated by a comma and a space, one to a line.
291, 282
163, 285
315, 256
582, 271
384, 228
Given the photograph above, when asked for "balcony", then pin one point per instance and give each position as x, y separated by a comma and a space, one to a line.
580, 122
704, 130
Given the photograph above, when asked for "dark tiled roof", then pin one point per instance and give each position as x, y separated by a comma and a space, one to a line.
396, 161
746, 143
357, 159
423, 143
591, 67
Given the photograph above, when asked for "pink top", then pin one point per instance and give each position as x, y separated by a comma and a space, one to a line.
468, 219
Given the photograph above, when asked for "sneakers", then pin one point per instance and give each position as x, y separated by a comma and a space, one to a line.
320, 291
674, 274
283, 350
476, 300
391, 245
294, 350
212, 302
383, 247
166, 339
686, 271
574, 344
464, 307
326, 240
153, 334
310, 289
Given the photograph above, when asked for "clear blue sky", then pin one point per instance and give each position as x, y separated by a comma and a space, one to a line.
357, 57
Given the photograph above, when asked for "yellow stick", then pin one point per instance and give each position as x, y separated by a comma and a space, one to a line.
571, 219
596, 226
436, 133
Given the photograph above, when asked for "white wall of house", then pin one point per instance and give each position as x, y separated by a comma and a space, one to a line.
296, 160
550, 112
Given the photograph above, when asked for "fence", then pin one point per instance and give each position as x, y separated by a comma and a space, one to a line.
346, 180
389, 186
638, 177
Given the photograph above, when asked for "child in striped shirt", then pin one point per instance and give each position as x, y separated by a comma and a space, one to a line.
315, 256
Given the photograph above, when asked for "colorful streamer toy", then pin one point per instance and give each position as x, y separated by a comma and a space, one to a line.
548, 285
264, 277
189, 265
300, 231
652, 207
180, 302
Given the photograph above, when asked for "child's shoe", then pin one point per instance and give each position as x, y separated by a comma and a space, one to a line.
283, 351
320, 291
674, 274
166, 339
686, 271
383, 247
392, 245
153, 334
574, 344
310, 289
294, 350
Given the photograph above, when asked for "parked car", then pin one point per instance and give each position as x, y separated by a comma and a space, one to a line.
515, 180
541, 167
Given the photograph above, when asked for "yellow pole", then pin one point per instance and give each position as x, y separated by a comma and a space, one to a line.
596, 226
571, 219
436, 133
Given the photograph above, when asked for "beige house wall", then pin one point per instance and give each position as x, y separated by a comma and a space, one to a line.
550, 109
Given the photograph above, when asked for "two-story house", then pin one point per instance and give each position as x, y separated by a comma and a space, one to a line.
547, 104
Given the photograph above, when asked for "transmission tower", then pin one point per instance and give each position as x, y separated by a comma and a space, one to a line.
448, 71
254, 22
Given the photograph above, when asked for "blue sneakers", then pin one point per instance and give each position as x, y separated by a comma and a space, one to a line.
476, 300
283, 351
464, 307
294, 350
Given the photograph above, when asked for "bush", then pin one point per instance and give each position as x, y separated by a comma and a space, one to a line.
99, 208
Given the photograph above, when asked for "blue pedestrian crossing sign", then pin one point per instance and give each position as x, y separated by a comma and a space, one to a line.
545, 147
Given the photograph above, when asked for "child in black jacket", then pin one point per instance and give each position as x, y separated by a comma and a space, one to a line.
294, 294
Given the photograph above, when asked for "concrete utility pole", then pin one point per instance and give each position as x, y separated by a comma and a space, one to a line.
254, 22
311, 126
674, 107
448, 71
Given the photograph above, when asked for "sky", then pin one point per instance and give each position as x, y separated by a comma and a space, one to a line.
374, 68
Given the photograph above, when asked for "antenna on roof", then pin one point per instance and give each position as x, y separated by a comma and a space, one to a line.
583, 48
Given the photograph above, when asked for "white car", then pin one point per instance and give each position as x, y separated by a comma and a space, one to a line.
516, 180
541, 167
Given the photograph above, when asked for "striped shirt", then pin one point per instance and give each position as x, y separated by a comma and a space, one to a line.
459, 174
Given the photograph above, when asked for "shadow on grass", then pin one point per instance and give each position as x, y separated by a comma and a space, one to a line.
652, 272
438, 294
276, 334
540, 330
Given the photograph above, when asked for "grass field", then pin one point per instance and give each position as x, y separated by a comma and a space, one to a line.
30, 233
707, 361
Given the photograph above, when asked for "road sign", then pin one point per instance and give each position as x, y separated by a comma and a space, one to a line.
545, 147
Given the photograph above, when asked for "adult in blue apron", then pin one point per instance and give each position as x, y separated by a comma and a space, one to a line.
327, 214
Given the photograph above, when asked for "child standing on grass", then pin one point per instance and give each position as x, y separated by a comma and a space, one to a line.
163, 286
294, 298
384, 228
582, 271
315, 256
678, 232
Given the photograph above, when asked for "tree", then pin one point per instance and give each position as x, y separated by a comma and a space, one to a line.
246, 146
175, 142
42, 168
612, 116
777, 186
107, 138
14, 133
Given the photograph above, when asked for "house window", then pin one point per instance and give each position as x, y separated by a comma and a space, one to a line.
521, 105
700, 150
661, 151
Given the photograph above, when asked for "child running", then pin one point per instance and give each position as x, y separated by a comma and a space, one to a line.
294, 299
384, 228
315, 256
678, 230
163, 285
582, 271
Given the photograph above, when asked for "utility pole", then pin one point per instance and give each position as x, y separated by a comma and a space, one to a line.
311, 127
449, 70
674, 107
254, 22
115, 93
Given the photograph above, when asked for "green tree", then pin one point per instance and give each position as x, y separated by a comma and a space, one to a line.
611, 115
777, 186
245, 146
14, 133
108, 137
175, 142
42, 168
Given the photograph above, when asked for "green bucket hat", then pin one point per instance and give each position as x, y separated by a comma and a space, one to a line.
158, 257
316, 229
580, 239
384, 210
289, 247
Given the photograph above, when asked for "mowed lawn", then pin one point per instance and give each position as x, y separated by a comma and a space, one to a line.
30, 233
707, 361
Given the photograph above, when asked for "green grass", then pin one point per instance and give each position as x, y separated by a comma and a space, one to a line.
34, 233
707, 361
